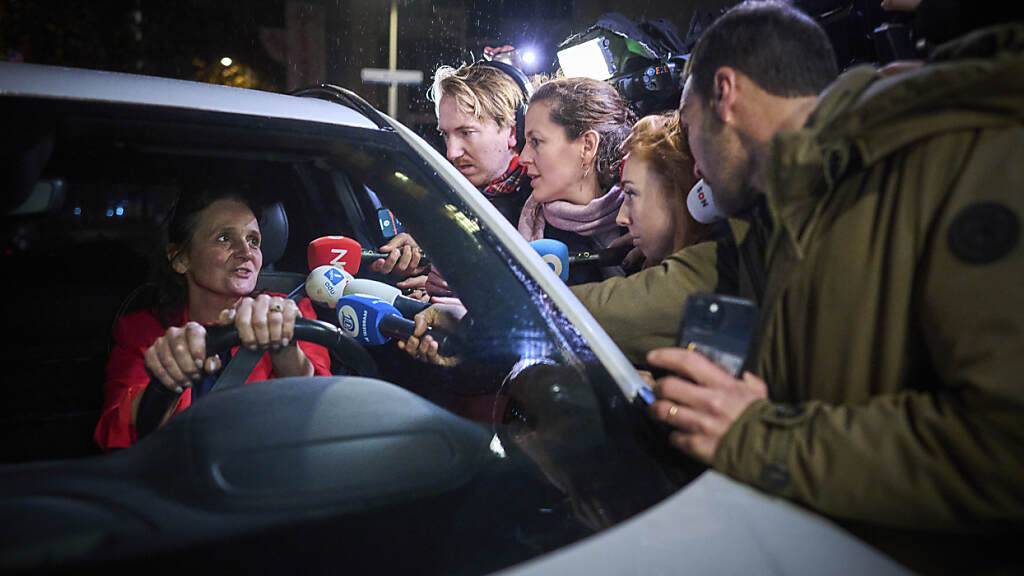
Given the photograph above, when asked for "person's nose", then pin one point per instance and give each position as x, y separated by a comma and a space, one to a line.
526, 156
243, 249
622, 218
453, 149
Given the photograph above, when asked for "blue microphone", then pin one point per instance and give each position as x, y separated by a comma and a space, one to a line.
555, 254
374, 322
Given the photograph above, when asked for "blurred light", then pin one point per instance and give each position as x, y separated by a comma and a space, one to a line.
110, 212
77, 211
496, 447
401, 177
225, 61
530, 56
589, 59
120, 211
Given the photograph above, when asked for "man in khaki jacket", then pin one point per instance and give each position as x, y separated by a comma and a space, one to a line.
888, 387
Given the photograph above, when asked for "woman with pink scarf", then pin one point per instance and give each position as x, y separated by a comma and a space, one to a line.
574, 130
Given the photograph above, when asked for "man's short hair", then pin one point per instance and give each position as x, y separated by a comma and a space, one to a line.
479, 90
775, 44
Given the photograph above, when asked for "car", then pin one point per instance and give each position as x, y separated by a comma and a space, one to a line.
534, 455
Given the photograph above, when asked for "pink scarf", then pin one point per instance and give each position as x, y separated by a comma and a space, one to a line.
596, 219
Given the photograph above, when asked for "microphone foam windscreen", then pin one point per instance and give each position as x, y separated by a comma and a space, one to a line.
338, 251
701, 204
326, 284
555, 254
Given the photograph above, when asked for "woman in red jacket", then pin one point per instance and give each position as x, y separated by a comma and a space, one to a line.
159, 354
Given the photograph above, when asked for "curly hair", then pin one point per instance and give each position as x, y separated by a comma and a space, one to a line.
582, 104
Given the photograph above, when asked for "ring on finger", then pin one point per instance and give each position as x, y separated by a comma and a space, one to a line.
277, 308
673, 410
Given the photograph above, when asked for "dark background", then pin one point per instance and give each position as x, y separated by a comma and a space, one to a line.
281, 45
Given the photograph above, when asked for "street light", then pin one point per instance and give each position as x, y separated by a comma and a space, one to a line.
225, 61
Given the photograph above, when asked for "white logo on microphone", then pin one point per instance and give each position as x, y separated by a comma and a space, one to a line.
349, 321
554, 262
337, 259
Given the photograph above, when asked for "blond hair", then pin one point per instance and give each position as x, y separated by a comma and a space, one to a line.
479, 90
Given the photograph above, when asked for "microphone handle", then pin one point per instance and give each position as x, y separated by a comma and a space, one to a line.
402, 328
606, 257
409, 307
371, 255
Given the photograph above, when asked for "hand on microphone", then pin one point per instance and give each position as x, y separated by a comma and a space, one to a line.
403, 257
415, 287
436, 285
443, 317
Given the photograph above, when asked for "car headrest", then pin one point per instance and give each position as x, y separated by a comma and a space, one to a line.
274, 232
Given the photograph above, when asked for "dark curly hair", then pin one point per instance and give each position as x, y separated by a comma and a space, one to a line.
582, 104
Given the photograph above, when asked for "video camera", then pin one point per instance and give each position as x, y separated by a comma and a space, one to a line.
643, 60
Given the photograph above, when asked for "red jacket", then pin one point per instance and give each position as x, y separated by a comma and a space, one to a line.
127, 377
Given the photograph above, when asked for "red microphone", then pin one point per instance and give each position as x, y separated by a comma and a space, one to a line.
338, 251
345, 253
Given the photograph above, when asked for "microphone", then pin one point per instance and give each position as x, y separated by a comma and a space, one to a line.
375, 322
701, 204
407, 307
373, 255
606, 257
338, 251
555, 254
345, 253
325, 285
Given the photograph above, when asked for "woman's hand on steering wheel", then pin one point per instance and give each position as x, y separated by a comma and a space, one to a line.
264, 322
178, 358
268, 323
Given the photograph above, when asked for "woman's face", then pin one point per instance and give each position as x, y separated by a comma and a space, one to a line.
553, 162
224, 258
652, 216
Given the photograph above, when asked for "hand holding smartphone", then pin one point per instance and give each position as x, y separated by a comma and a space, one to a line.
719, 327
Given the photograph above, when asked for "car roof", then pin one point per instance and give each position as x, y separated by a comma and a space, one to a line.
53, 82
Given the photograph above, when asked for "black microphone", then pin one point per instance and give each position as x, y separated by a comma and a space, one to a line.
606, 257
372, 256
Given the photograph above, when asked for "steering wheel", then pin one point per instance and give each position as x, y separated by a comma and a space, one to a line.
349, 351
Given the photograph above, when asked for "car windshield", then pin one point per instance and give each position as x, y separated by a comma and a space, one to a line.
564, 451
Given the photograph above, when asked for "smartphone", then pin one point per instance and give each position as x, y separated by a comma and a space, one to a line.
389, 225
719, 327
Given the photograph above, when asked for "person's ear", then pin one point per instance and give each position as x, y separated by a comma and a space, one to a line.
178, 259
590, 140
723, 97
511, 136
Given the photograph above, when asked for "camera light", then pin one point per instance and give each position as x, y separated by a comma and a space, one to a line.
589, 59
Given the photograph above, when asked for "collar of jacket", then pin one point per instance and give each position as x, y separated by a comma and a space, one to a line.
976, 81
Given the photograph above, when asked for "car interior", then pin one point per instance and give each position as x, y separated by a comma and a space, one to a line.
329, 459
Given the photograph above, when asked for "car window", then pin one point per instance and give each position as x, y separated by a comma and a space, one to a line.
567, 453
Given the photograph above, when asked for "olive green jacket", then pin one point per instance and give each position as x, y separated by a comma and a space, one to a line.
892, 307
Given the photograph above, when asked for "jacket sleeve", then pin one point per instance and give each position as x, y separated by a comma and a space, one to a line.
947, 451
641, 312
126, 380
